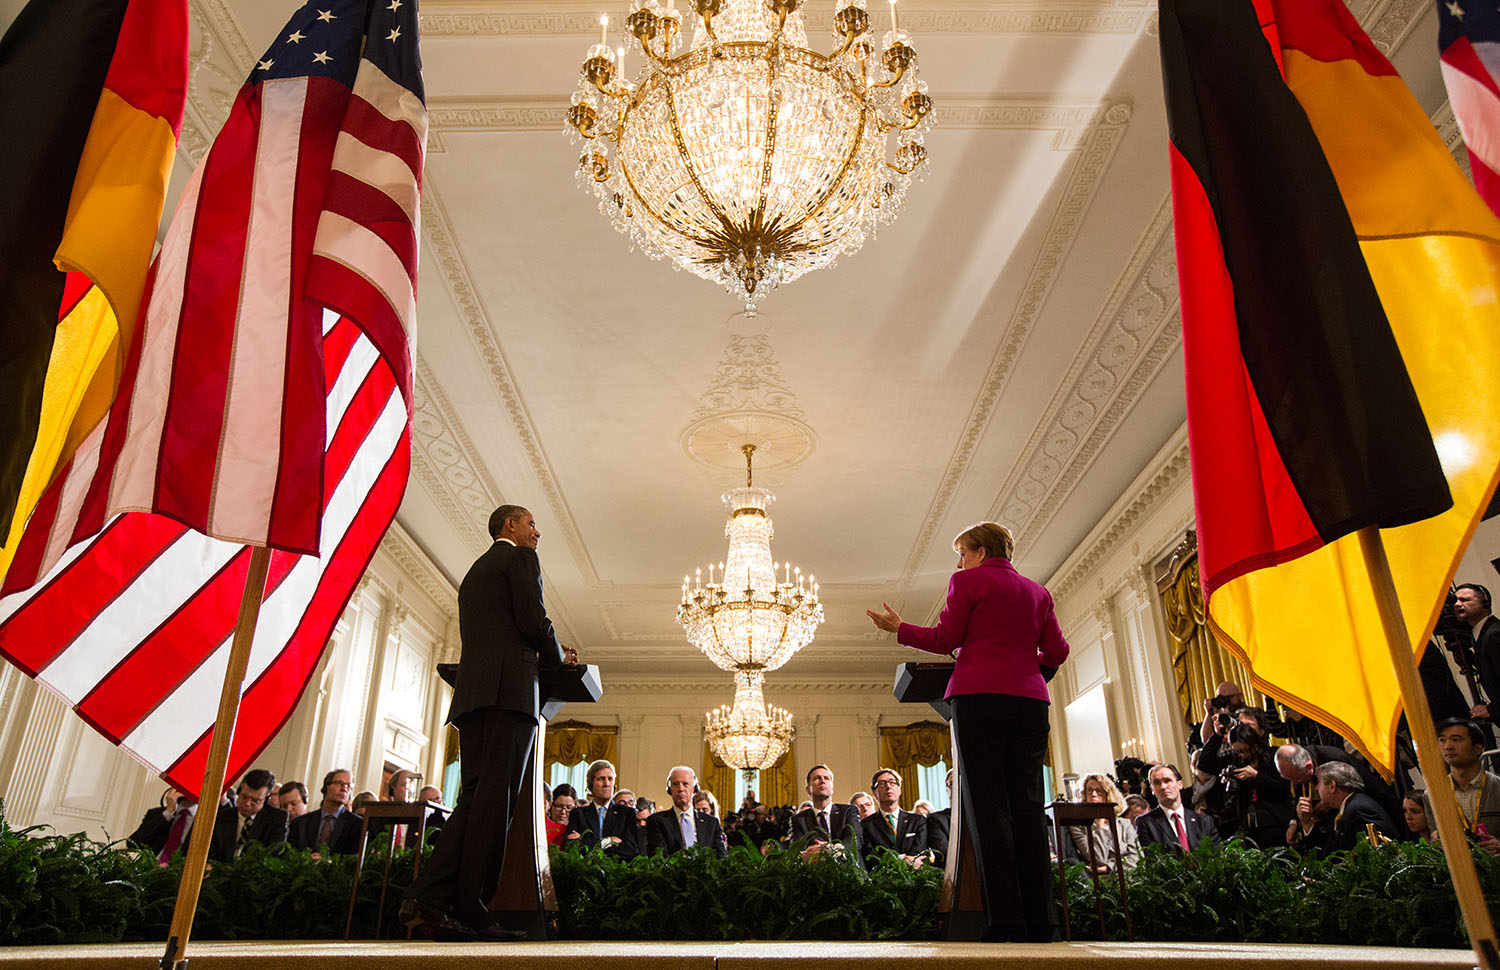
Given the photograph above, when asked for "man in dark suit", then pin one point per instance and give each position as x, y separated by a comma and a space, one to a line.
600, 821
248, 820
1172, 823
506, 638
681, 826
826, 820
888, 826
331, 827
939, 822
1473, 605
1340, 786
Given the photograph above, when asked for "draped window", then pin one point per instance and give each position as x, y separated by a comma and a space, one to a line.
1199, 664
904, 748
569, 742
776, 785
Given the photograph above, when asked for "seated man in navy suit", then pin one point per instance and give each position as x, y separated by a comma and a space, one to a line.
1172, 823
903, 832
681, 826
825, 820
599, 821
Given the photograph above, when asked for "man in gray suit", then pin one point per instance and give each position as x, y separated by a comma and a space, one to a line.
681, 827
506, 638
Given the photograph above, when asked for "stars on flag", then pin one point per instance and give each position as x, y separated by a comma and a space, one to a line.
394, 34
321, 57
395, 5
264, 65
1455, 9
326, 16
295, 37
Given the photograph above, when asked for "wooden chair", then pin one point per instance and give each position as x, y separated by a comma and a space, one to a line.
1071, 815
393, 814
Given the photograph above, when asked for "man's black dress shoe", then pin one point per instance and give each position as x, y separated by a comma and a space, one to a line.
433, 923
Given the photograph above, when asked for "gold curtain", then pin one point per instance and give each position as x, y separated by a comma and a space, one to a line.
904, 748
569, 742
776, 785
718, 778
1199, 664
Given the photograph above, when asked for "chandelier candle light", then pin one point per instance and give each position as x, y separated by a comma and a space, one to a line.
748, 159
748, 623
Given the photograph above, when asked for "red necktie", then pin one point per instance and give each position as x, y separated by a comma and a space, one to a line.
174, 837
1181, 832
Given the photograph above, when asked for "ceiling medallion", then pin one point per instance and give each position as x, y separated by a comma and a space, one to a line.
748, 159
748, 623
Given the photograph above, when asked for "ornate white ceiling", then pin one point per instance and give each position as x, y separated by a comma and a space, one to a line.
1008, 349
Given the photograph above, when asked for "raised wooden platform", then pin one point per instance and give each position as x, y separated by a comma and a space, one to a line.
258, 955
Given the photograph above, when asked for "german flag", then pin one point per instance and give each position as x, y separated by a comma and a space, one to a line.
92, 109
1339, 281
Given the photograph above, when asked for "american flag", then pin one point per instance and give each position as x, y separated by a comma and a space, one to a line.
266, 401
1469, 46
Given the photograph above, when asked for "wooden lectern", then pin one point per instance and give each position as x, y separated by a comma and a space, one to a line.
961, 904
525, 899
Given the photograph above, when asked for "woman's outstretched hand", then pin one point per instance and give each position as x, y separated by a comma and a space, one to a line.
889, 621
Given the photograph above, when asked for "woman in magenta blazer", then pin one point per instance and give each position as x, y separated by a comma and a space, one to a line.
1001, 628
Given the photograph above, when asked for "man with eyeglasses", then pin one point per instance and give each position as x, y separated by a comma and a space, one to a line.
905, 833
248, 819
333, 826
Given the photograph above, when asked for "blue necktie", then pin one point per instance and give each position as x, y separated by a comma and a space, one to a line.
599, 826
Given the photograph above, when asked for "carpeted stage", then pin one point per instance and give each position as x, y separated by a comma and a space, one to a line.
258, 955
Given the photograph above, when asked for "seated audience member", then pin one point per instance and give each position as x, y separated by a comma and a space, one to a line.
923, 807
1418, 821
863, 804
644, 809
599, 821
1135, 807
1299, 766
1340, 787
704, 801
293, 799
939, 824
563, 800
398, 786
1171, 823
164, 830
905, 833
625, 797
1477, 790
1097, 840
249, 819
824, 820
274, 799
332, 826
682, 826
361, 800
435, 818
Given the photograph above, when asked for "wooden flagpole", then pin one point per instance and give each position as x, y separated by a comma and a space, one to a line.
218, 758
1439, 788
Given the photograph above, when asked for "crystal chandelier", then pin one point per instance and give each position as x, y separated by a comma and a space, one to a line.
748, 159
749, 736
747, 621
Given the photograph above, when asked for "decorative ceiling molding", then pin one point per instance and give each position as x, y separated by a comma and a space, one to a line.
1131, 341
502, 113
1446, 123
399, 545
443, 460
1389, 23
1168, 475
437, 232
748, 402
479, 18
1093, 157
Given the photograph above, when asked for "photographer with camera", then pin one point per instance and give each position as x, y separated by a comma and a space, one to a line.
1226, 701
1257, 797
